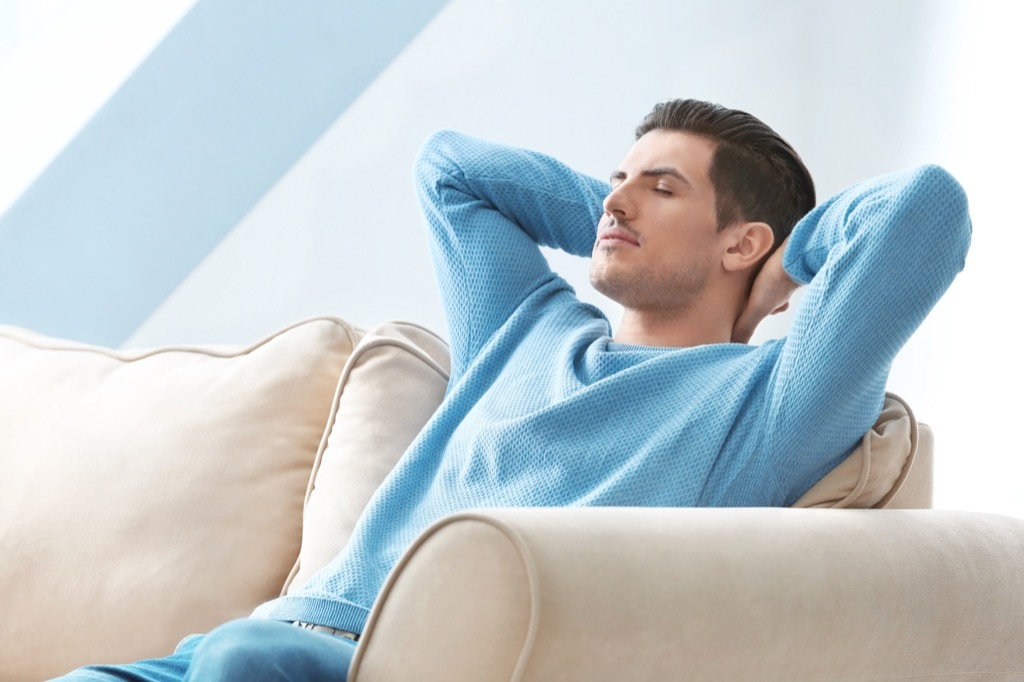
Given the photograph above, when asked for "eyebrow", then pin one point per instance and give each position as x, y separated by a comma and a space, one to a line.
654, 173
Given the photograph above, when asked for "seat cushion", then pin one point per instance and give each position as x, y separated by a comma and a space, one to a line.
145, 495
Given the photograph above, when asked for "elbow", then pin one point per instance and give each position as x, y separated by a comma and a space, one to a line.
945, 188
434, 164
439, 164
437, 153
939, 203
947, 200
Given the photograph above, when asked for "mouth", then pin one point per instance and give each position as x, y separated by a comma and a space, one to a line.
617, 235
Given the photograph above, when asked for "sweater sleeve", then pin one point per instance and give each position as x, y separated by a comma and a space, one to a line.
488, 208
877, 258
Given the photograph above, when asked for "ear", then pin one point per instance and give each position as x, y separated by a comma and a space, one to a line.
747, 244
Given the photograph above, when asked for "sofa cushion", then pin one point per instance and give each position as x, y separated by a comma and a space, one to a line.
873, 473
145, 495
399, 370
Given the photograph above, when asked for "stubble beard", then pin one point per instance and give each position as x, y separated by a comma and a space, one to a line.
662, 289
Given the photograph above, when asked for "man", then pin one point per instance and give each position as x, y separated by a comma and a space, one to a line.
695, 238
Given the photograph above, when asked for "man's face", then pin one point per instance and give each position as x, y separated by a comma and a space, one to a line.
657, 241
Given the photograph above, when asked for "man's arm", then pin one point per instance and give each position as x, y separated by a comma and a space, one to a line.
769, 294
877, 257
488, 208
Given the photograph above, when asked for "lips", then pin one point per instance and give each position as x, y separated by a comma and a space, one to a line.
617, 234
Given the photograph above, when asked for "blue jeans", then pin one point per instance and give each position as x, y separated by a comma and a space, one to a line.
253, 650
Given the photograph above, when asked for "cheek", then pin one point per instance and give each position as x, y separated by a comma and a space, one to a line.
682, 251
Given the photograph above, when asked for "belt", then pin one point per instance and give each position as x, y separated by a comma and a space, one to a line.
337, 632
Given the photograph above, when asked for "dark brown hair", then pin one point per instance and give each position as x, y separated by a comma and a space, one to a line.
757, 175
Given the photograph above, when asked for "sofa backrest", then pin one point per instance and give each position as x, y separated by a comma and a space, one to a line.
146, 495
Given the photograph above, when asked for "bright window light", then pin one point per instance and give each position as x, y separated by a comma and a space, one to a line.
60, 60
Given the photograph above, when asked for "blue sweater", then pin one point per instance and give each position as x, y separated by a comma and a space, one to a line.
542, 411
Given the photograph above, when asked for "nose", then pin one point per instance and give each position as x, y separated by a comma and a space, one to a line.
619, 203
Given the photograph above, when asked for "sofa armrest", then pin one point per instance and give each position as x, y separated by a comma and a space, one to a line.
703, 594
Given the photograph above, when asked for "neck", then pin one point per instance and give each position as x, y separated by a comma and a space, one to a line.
708, 320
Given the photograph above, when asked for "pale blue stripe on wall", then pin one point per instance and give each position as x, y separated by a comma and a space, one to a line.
231, 98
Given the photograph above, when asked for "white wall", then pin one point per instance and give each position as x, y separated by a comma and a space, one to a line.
859, 89
60, 60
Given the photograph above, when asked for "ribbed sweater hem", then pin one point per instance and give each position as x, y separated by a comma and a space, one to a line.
335, 613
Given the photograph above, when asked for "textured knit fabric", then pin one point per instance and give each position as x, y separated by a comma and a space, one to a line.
541, 412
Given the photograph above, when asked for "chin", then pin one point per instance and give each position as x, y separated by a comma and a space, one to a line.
610, 286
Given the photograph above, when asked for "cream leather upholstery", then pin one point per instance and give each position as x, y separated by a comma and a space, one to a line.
759, 595
179, 487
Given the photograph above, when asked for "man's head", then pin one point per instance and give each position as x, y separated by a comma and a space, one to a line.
757, 175
704, 191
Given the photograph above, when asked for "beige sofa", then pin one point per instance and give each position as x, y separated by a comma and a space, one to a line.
147, 495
